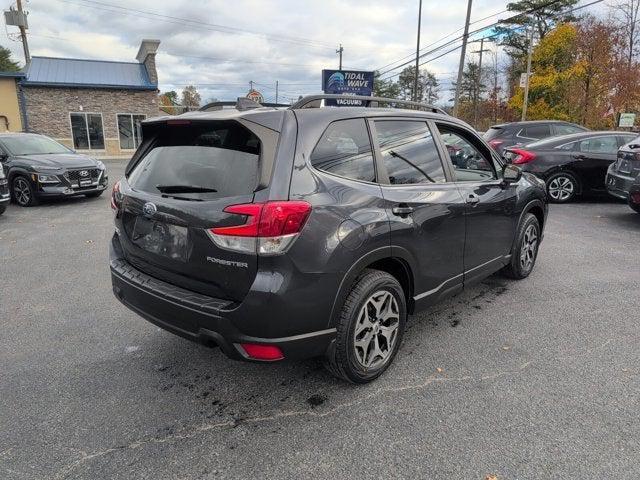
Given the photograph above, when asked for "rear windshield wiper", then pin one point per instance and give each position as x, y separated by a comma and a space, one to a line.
184, 189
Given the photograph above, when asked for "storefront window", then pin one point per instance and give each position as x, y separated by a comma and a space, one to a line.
87, 131
129, 130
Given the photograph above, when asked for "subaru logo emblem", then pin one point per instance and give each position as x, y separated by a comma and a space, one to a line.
149, 209
84, 173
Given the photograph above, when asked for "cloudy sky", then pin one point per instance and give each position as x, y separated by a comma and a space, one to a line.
222, 45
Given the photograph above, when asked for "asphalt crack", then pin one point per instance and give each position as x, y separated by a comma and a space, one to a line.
191, 432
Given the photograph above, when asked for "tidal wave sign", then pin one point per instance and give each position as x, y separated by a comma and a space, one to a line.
347, 82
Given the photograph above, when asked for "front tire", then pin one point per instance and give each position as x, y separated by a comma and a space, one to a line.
370, 328
2, 209
562, 187
23, 192
525, 253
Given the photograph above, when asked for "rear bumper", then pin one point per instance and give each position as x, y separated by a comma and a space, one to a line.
203, 319
618, 184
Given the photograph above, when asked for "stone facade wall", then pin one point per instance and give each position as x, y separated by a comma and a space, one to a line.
48, 110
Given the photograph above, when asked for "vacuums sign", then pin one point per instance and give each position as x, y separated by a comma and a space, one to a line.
347, 82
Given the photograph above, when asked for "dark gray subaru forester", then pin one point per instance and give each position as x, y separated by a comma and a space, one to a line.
288, 233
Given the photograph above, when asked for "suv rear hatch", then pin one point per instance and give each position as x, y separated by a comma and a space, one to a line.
177, 187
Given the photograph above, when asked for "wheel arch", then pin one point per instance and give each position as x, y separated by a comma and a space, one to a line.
380, 259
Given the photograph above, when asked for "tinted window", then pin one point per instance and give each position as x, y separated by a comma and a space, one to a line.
409, 152
600, 145
566, 129
536, 131
345, 150
222, 156
469, 163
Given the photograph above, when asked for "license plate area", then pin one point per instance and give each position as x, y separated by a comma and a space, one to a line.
84, 182
161, 238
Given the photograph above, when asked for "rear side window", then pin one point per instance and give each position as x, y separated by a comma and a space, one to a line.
536, 131
607, 145
409, 152
219, 157
345, 150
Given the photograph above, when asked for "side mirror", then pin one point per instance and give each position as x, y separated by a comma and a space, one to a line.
511, 173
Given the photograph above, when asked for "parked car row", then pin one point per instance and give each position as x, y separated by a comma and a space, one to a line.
572, 160
34, 167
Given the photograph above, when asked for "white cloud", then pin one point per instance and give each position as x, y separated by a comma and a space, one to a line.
374, 33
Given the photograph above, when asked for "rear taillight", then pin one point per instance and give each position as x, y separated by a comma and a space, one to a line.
522, 156
495, 143
116, 196
635, 198
270, 228
262, 352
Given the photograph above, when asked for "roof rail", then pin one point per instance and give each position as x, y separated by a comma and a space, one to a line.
241, 104
313, 101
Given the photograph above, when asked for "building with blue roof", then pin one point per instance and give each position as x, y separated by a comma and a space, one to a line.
93, 106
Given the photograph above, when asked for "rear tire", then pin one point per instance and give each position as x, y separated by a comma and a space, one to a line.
562, 187
370, 328
525, 252
23, 192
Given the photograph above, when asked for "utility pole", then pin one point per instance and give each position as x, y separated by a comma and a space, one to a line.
465, 36
23, 35
250, 85
417, 72
478, 83
339, 52
526, 85
276, 91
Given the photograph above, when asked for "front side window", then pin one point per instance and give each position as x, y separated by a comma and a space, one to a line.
607, 145
567, 129
345, 150
469, 163
130, 130
87, 132
409, 152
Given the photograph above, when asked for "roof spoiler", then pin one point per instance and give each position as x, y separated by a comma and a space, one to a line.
241, 104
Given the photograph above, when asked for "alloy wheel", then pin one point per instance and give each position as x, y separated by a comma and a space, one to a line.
21, 191
561, 188
376, 330
529, 247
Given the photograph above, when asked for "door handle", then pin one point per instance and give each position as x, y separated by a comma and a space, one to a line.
402, 210
472, 199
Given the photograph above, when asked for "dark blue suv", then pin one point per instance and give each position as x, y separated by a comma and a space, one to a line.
288, 233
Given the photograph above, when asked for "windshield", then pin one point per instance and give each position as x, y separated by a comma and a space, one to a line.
32, 145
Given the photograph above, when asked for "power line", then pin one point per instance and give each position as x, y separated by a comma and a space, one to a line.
495, 24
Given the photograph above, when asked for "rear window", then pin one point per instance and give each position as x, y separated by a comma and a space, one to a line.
220, 158
493, 132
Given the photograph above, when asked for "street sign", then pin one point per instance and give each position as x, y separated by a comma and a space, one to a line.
256, 96
627, 120
523, 79
347, 82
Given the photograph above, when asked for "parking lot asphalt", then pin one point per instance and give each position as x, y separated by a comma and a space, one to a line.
532, 379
